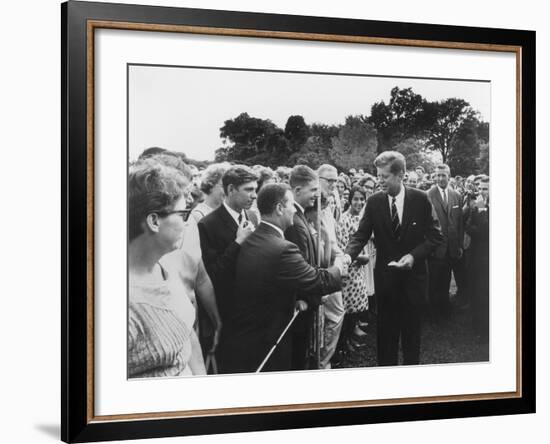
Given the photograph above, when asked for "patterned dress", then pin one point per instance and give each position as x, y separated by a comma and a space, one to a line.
354, 287
160, 325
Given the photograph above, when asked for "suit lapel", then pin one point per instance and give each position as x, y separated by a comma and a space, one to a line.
227, 219
311, 241
386, 212
407, 211
440, 200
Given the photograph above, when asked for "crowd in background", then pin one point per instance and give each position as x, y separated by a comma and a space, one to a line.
188, 229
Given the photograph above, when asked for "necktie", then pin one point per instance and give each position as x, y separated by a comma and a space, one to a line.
395, 225
445, 198
240, 218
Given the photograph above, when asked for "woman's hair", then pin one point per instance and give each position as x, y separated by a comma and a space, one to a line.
212, 175
152, 186
357, 189
265, 174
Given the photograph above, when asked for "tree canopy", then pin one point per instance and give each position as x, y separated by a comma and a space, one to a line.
421, 130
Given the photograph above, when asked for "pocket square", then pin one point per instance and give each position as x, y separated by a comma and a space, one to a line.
414, 223
455, 206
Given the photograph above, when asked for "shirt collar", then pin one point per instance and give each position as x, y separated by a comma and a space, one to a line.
299, 207
399, 197
441, 190
275, 227
233, 213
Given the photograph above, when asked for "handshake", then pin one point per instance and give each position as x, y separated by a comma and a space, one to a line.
342, 263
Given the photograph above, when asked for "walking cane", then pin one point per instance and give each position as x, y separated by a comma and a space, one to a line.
296, 311
318, 314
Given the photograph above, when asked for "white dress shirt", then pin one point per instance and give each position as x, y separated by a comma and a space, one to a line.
234, 214
399, 202
275, 227
444, 194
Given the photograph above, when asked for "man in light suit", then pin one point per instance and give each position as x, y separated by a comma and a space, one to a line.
270, 272
448, 256
406, 232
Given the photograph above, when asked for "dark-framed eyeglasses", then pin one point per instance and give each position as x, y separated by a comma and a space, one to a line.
183, 213
329, 180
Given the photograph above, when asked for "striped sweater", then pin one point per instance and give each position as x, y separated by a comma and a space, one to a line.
160, 320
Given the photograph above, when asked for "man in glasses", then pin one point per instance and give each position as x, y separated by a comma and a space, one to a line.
334, 305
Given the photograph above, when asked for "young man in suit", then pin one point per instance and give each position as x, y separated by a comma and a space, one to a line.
405, 232
224, 230
447, 257
270, 272
305, 188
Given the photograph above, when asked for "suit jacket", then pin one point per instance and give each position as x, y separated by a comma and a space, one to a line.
300, 235
217, 232
270, 271
451, 222
419, 235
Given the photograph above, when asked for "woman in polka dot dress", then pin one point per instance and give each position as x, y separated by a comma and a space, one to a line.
354, 287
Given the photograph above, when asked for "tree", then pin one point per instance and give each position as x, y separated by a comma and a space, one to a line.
296, 132
415, 154
404, 117
355, 146
447, 118
248, 136
465, 148
483, 159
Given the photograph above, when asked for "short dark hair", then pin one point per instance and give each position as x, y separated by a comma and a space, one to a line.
238, 175
301, 175
394, 159
270, 195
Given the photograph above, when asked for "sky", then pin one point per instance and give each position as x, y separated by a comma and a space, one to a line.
183, 108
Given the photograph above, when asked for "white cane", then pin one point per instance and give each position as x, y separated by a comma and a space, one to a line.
277, 343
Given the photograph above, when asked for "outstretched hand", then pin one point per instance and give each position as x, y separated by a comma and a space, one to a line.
405, 263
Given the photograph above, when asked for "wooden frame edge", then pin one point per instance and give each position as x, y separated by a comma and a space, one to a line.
91, 25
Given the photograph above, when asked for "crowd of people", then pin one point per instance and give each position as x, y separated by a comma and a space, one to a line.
244, 269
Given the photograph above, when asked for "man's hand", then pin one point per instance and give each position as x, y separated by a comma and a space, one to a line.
362, 259
480, 202
341, 263
405, 263
244, 230
300, 305
216, 338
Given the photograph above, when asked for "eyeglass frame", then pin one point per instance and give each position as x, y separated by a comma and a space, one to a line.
183, 213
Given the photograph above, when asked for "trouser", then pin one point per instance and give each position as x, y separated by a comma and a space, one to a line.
300, 340
398, 318
440, 281
334, 318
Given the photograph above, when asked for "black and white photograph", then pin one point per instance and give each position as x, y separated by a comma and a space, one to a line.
283, 221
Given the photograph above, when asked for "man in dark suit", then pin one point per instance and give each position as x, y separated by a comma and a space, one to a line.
305, 187
447, 257
224, 230
405, 232
270, 272
477, 226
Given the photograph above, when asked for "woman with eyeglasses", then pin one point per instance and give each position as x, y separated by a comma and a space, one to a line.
161, 339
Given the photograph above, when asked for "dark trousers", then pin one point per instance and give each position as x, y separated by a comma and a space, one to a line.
398, 318
300, 334
440, 281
